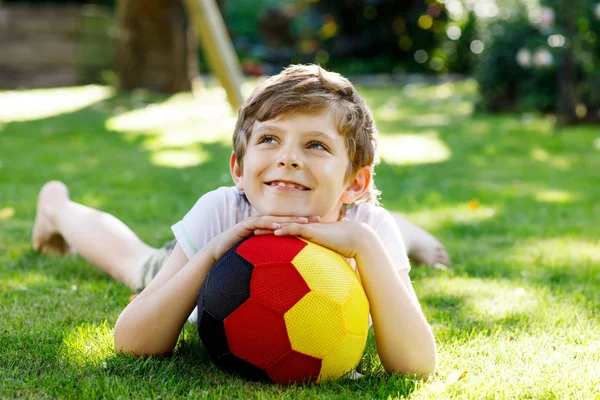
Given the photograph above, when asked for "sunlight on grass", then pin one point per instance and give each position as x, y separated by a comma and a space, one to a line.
445, 91
527, 365
29, 280
181, 116
467, 213
172, 127
88, 344
555, 196
567, 251
428, 120
179, 158
44, 103
391, 110
7, 213
558, 162
425, 148
488, 299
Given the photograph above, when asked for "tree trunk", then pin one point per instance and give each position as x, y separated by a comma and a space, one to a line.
567, 11
156, 49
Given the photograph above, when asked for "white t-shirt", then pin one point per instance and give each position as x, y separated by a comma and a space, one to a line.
221, 209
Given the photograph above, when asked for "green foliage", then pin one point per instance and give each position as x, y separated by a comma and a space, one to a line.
505, 84
243, 16
356, 37
526, 57
384, 35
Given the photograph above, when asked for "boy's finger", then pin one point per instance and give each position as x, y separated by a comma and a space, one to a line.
258, 232
290, 229
298, 220
261, 223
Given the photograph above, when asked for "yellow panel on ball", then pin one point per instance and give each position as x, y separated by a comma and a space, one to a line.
339, 278
344, 358
315, 325
356, 311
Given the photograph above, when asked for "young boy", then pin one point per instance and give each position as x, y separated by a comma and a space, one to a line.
304, 152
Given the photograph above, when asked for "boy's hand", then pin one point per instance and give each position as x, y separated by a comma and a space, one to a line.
252, 226
343, 237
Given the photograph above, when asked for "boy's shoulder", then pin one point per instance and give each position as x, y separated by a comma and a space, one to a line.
226, 199
368, 213
224, 192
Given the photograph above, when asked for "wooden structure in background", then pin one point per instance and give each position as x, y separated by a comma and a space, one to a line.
156, 49
51, 45
210, 29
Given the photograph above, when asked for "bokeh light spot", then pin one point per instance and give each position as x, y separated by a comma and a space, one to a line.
413, 149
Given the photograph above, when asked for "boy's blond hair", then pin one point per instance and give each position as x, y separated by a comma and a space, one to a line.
309, 88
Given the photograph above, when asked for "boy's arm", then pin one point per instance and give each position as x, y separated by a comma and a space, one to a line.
150, 324
405, 342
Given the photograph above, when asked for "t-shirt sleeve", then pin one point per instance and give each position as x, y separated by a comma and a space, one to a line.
208, 218
388, 231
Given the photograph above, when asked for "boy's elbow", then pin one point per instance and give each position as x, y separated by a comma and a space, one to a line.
121, 343
137, 344
421, 366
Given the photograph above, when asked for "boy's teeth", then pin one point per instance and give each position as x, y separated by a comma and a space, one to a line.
283, 184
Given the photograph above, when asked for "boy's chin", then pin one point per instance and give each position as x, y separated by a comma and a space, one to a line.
283, 213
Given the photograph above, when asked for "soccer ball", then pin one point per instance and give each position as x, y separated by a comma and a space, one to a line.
281, 309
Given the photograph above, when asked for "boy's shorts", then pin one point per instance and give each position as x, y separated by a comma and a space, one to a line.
153, 264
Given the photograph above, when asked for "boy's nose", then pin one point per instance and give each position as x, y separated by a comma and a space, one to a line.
291, 164
289, 159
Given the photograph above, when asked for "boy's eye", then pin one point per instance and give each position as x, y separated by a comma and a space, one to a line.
266, 139
317, 146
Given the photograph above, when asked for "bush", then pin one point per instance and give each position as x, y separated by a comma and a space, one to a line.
388, 36
350, 36
544, 60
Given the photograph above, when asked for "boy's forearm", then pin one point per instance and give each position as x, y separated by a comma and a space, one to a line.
404, 339
151, 324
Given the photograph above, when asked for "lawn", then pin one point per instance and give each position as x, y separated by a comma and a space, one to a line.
514, 198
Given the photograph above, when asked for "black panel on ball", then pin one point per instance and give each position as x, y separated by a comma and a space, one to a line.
226, 286
237, 366
212, 333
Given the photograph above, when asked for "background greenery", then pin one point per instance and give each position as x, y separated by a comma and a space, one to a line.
518, 50
514, 199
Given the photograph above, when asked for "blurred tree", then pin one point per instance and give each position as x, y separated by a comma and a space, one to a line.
544, 58
383, 32
578, 61
156, 49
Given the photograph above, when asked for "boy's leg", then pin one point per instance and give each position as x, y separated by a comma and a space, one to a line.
103, 240
421, 246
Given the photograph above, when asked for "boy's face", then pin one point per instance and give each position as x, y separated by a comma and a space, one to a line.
295, 165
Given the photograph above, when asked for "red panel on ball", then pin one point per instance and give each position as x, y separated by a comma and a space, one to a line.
257, 334
270, 248
295, 367
277, 285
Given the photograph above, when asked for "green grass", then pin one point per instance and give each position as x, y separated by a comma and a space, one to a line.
514, 198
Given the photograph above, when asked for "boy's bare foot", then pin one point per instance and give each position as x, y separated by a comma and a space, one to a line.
45, 236
422, 247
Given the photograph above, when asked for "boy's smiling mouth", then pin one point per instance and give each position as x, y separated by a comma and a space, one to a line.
286, 185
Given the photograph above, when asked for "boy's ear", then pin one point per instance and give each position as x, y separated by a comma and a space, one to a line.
236, 171
360, 183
